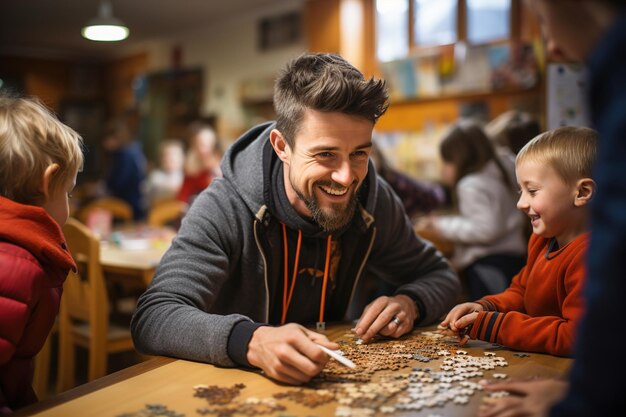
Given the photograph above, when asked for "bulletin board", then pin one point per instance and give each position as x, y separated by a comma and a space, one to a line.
565, 92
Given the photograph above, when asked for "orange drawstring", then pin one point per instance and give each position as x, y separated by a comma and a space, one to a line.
287, 300
288, 289
326, 267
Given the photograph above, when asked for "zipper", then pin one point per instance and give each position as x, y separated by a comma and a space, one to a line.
358, 275
267, 287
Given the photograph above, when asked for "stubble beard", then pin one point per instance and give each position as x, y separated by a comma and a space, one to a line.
333, 219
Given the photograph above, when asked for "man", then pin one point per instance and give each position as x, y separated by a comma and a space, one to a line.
593, 31
298, 219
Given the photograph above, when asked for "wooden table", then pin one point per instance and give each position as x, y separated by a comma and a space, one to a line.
140, 262
137, 263
170, 382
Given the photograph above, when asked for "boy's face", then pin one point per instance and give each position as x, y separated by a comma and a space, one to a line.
548, 201
57, 203
327, 165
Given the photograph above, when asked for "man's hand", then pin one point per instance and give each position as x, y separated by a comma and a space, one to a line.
530, 399
389, 316
288, 353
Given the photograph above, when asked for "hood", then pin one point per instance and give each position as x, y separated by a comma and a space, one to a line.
31, 228
249, 163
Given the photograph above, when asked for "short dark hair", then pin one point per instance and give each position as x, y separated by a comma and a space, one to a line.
326, 83
520, 131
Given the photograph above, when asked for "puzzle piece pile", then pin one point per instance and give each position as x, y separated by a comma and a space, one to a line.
385, 381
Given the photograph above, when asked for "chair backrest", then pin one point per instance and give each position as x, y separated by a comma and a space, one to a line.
164, 212
85, 294
119, 209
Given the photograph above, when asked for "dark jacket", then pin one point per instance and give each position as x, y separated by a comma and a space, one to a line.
125, 177
224, 270
595, 388
34, 263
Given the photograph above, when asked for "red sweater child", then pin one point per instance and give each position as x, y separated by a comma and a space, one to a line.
194, 185
539, 312
34, 263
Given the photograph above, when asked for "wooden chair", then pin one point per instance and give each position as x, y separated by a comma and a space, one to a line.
119, 209
41, 376
166, 212
84, 315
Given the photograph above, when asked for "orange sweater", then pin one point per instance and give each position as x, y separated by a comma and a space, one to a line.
539, 312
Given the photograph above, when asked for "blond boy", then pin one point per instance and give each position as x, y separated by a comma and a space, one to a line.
39, 160
540, 309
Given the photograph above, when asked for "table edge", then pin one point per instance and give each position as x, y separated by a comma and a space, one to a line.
88, 388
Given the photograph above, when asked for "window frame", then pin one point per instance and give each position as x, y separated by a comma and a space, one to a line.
515, 17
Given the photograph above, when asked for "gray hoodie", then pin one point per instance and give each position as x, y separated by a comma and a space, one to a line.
223, 272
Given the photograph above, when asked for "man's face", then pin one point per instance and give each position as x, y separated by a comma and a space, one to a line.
326, 166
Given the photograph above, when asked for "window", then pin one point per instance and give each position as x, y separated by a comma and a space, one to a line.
403, 26
392, 29
434, 22
488, 20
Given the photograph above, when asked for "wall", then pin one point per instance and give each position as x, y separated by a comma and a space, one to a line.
54, 80
229, 55
119, 77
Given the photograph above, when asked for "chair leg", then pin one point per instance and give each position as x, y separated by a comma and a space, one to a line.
67, 352
98, 358
42, 369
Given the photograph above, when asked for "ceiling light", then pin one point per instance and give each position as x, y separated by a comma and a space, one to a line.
105, 27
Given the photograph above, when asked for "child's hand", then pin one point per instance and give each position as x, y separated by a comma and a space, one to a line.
530, 398
426, 228
461, 316
425, 223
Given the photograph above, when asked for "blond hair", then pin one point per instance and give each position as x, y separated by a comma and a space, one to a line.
32, 138
570, 151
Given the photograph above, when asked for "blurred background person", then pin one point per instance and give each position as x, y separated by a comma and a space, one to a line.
165, 181
487, 232
202, 162
594, 388
512, 130
418, 197
509, 132
126, 166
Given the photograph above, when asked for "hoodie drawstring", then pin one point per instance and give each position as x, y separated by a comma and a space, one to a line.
287, 300
288, 290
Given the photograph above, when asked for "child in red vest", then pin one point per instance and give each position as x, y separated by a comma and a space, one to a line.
540, 309
39, 160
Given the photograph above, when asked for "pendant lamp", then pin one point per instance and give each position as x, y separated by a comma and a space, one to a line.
105, 27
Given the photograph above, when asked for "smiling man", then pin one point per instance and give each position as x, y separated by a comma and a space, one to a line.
283, 239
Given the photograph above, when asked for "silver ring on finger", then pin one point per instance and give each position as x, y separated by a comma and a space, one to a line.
396, 320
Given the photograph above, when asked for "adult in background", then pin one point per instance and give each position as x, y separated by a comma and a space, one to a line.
126, 165
284, 237
593, 31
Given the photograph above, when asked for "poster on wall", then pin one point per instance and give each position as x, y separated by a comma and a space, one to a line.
566, 89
